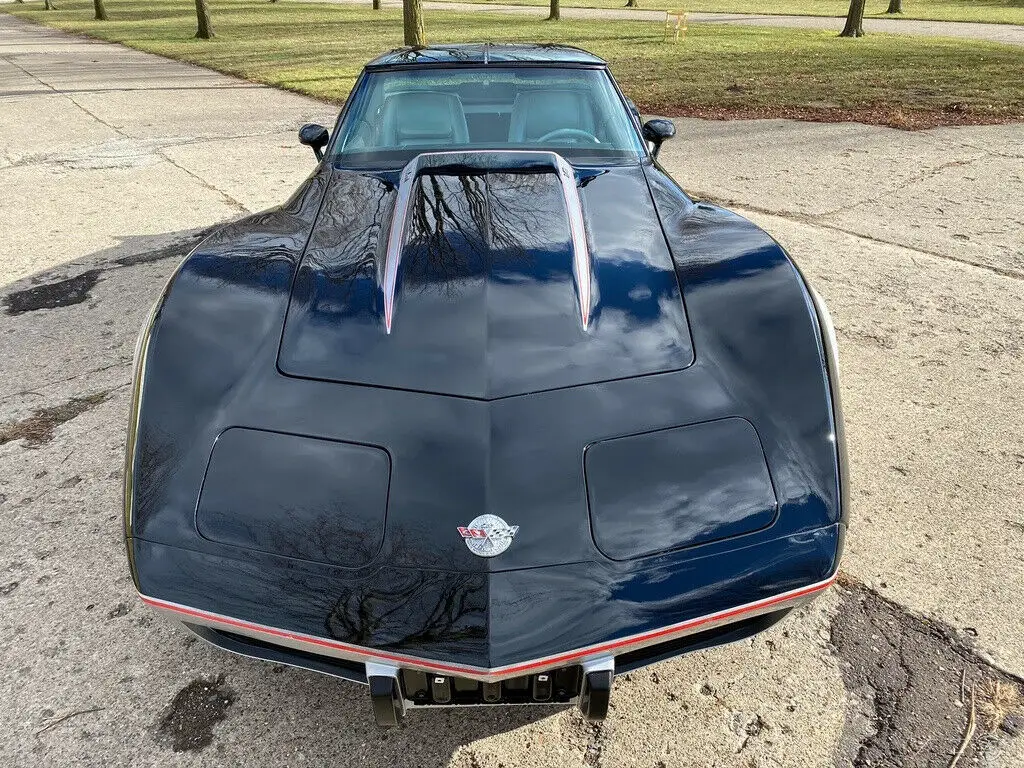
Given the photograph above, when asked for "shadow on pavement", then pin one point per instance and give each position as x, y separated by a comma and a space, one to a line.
90, 310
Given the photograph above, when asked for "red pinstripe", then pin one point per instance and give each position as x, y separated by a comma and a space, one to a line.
552, 661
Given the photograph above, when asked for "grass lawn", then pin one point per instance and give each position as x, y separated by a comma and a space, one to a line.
994, 11
720, 71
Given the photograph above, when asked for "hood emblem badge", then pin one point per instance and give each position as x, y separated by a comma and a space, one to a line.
488, 535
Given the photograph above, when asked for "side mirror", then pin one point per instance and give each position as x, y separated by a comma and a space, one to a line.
658, 130
315, 136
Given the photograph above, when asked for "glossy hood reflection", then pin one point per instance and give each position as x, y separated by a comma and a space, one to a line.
485, 302
298, 467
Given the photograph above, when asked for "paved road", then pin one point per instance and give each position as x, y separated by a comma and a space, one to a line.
1011, 34
110, 155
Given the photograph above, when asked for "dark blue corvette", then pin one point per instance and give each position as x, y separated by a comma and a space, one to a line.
489, 410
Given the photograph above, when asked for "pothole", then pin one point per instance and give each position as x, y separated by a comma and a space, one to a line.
919, 685
187, 724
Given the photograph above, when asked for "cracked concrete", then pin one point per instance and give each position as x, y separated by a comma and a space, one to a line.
932, 350
99, 139
954, 193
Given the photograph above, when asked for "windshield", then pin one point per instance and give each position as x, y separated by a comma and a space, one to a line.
396, 115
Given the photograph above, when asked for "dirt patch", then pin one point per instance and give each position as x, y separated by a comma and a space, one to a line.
187, 724
38, 428
887, 115
922, 684
61, 293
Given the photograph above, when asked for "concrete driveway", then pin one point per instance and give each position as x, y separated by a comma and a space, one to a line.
111, 163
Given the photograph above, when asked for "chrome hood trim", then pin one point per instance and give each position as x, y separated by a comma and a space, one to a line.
488, 160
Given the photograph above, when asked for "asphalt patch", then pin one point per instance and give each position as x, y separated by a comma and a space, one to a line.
75, 290
187, 724
38, 428
60, 293
918, 678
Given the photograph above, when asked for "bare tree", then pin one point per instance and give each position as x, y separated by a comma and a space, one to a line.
412, 14
556, 12
101, 12
854, 20
895, 6
205, 30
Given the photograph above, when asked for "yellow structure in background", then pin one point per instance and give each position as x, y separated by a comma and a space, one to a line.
675, 22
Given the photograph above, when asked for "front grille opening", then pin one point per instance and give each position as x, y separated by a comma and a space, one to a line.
557, 686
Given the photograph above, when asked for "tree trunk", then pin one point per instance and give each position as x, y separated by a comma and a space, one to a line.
101, 12
376, 5
47, 5
205, 30
556, 12
632, 3
895, 6
854, 20
412, 14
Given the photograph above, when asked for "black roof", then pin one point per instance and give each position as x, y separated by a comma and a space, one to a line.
486, 53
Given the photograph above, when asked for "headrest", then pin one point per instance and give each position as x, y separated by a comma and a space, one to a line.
412, 118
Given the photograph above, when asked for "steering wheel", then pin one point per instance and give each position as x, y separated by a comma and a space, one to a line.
570, 134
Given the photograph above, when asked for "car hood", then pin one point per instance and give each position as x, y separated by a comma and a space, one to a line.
316, 506
489, 296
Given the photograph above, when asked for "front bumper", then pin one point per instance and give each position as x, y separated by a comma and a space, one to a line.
542, 635
230, 633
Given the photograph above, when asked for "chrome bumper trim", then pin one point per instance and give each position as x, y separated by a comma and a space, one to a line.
586, 655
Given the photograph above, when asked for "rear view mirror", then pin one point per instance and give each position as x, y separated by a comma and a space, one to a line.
315, 136
656, 131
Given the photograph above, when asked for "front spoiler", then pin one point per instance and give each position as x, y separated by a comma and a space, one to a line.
487, 626
354, 653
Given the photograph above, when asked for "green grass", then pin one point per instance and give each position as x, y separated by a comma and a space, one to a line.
719, 70
993, 11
